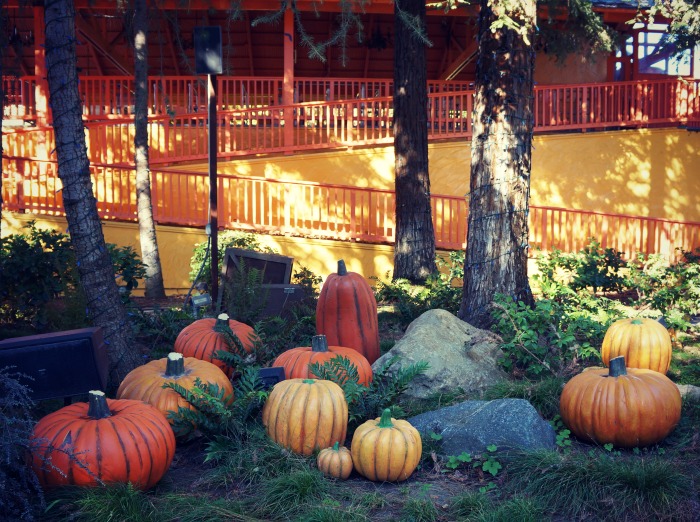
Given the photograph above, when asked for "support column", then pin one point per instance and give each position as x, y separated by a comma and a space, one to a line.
288, 78
41, 91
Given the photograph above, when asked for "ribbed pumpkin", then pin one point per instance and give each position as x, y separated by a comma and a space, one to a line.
145, 383
335, 462
204, 337
346, 313
645, 343
109, 441
304, 415
296, 361
627, 407
386, 449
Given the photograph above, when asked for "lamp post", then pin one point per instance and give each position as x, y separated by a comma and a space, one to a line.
207, 51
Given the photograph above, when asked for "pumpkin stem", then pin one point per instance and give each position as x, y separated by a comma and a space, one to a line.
385, 420
175, 366
342, 269
221, 325
636, 321
309, 381
97, 408
336, 446
319, 343
617, 366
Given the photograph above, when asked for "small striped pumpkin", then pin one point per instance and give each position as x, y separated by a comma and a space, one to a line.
145, 383
296, 361
335, 462
346, 313
204, 337
305, 415
644, 343
386, 449
102, 442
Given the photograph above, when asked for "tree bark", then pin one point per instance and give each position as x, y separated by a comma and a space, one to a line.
104, 305
414, 251
147, 227
499, 189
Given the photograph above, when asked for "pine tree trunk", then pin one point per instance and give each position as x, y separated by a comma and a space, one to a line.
147, 227
414, 253
104, 305
497, 230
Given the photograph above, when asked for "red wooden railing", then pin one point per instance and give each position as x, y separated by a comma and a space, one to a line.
310, 209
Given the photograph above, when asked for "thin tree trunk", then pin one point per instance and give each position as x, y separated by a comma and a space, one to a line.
147, 226
497, 230
104, 305
414, 253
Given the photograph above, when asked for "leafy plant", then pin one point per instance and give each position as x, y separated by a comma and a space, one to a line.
244, 294
486, 462
366, 402
21, 496
128, 268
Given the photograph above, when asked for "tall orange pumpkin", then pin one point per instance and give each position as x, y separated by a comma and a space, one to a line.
645, 343
296, 361
346, 313
204, 337
103, 441
145, 383
627, 407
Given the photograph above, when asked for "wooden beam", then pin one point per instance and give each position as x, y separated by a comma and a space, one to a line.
460, 62
99, 43
249, 47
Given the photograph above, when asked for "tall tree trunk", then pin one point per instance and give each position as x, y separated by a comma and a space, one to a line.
104, 305
414, 254
497, 233
147, 226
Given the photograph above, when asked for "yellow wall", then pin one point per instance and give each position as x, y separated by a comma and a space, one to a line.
653, 173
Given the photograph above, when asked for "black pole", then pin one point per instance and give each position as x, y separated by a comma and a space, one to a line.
213, 211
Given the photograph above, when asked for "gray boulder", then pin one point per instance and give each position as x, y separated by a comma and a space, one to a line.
461, 357
471, 426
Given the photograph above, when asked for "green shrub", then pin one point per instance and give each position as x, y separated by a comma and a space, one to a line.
21, 495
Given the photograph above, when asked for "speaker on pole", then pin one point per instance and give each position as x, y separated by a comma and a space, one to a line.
207, 50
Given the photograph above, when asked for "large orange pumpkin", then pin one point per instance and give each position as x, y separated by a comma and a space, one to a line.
304, 415
103, 441
296, 361
145, 383
346, 313
645, 343
627, 407
204, 337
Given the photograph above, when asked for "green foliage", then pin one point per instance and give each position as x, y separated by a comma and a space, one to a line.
200, 263
549, 337
213, 417
543, 393
419, 510
442, 290
158, 329
367, 402
486, 462
290, 493
112, 502
672, 290
579, 485
245, 297
39, 287
21, 495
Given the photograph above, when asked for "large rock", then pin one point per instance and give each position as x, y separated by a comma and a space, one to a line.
471, 426
461, 357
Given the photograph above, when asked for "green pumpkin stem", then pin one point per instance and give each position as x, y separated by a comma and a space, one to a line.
175, 365
336, 446
342, 269
385, 420
637, 321
97, 405
309, 381
617, 366
319, 343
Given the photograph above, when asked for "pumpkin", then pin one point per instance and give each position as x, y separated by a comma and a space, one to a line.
627, 407
204, 337
296, 361
304, 415
102, 441
335, 462
386, 449
346, 313
645, 343
145, 383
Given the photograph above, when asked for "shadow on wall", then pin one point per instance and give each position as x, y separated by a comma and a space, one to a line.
648, 173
